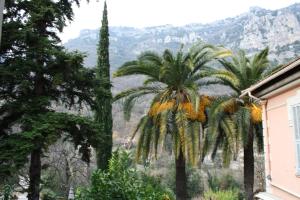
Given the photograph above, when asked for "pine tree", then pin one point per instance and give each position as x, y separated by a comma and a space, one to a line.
36, 74
103, 112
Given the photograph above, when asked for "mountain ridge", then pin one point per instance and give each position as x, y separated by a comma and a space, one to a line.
252, 31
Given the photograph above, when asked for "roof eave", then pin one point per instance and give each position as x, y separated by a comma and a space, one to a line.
285, 69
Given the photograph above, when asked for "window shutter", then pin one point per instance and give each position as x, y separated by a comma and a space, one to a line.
296, 119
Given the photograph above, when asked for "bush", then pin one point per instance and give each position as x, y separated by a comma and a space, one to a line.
221, 195
6, 194
123, 182
224, 182
47, 194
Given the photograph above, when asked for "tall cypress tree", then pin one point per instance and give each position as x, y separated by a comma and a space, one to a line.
103, 115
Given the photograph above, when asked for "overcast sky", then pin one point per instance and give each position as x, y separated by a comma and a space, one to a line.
143, 13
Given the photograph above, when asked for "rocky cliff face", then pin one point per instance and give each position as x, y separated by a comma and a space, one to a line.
252, 31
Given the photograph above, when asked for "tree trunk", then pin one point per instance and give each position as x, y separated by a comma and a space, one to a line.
249, 166
35, 167
35, 175
181, 179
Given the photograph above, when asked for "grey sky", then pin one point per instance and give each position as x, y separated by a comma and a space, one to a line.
143, 13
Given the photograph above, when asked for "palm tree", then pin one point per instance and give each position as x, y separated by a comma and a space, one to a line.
222, 131
176, 108
234, 117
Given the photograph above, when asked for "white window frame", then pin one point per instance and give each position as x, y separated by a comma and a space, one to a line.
292, 103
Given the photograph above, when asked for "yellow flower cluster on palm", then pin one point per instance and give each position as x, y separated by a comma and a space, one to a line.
198, 115
204, 102
187, 107
158, 107
256, 113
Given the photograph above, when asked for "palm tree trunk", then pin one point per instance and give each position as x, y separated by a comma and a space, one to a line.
249, 166
35, 175
181, 179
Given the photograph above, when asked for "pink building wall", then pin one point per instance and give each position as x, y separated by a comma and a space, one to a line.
280, 149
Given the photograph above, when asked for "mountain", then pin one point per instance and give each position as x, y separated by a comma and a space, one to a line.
252, 31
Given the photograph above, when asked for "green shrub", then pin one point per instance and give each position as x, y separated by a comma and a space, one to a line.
47, 194
221, 195
195, 186
223, 182
122, 182
6, 194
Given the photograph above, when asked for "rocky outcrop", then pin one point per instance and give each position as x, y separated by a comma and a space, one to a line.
252, 31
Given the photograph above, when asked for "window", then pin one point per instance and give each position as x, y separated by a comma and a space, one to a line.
296, 123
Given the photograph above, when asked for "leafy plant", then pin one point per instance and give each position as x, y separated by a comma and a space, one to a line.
7, 192
224, 182
122, 181
221, 195
47, 194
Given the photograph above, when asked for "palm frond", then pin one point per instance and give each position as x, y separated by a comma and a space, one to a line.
230, 67
151, 57
226, 76
228, 125
150, 81
140, 125
137, 67
226, 153
144, 142
143, 90
192, 141
163, 127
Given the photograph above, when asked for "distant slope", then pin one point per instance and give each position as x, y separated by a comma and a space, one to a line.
252, 31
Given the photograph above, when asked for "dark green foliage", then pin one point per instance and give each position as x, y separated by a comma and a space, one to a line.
37, 75
45, 130
122, 181
221, 195
35, 72
47, 194
223, 182
103, 112
6, 192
